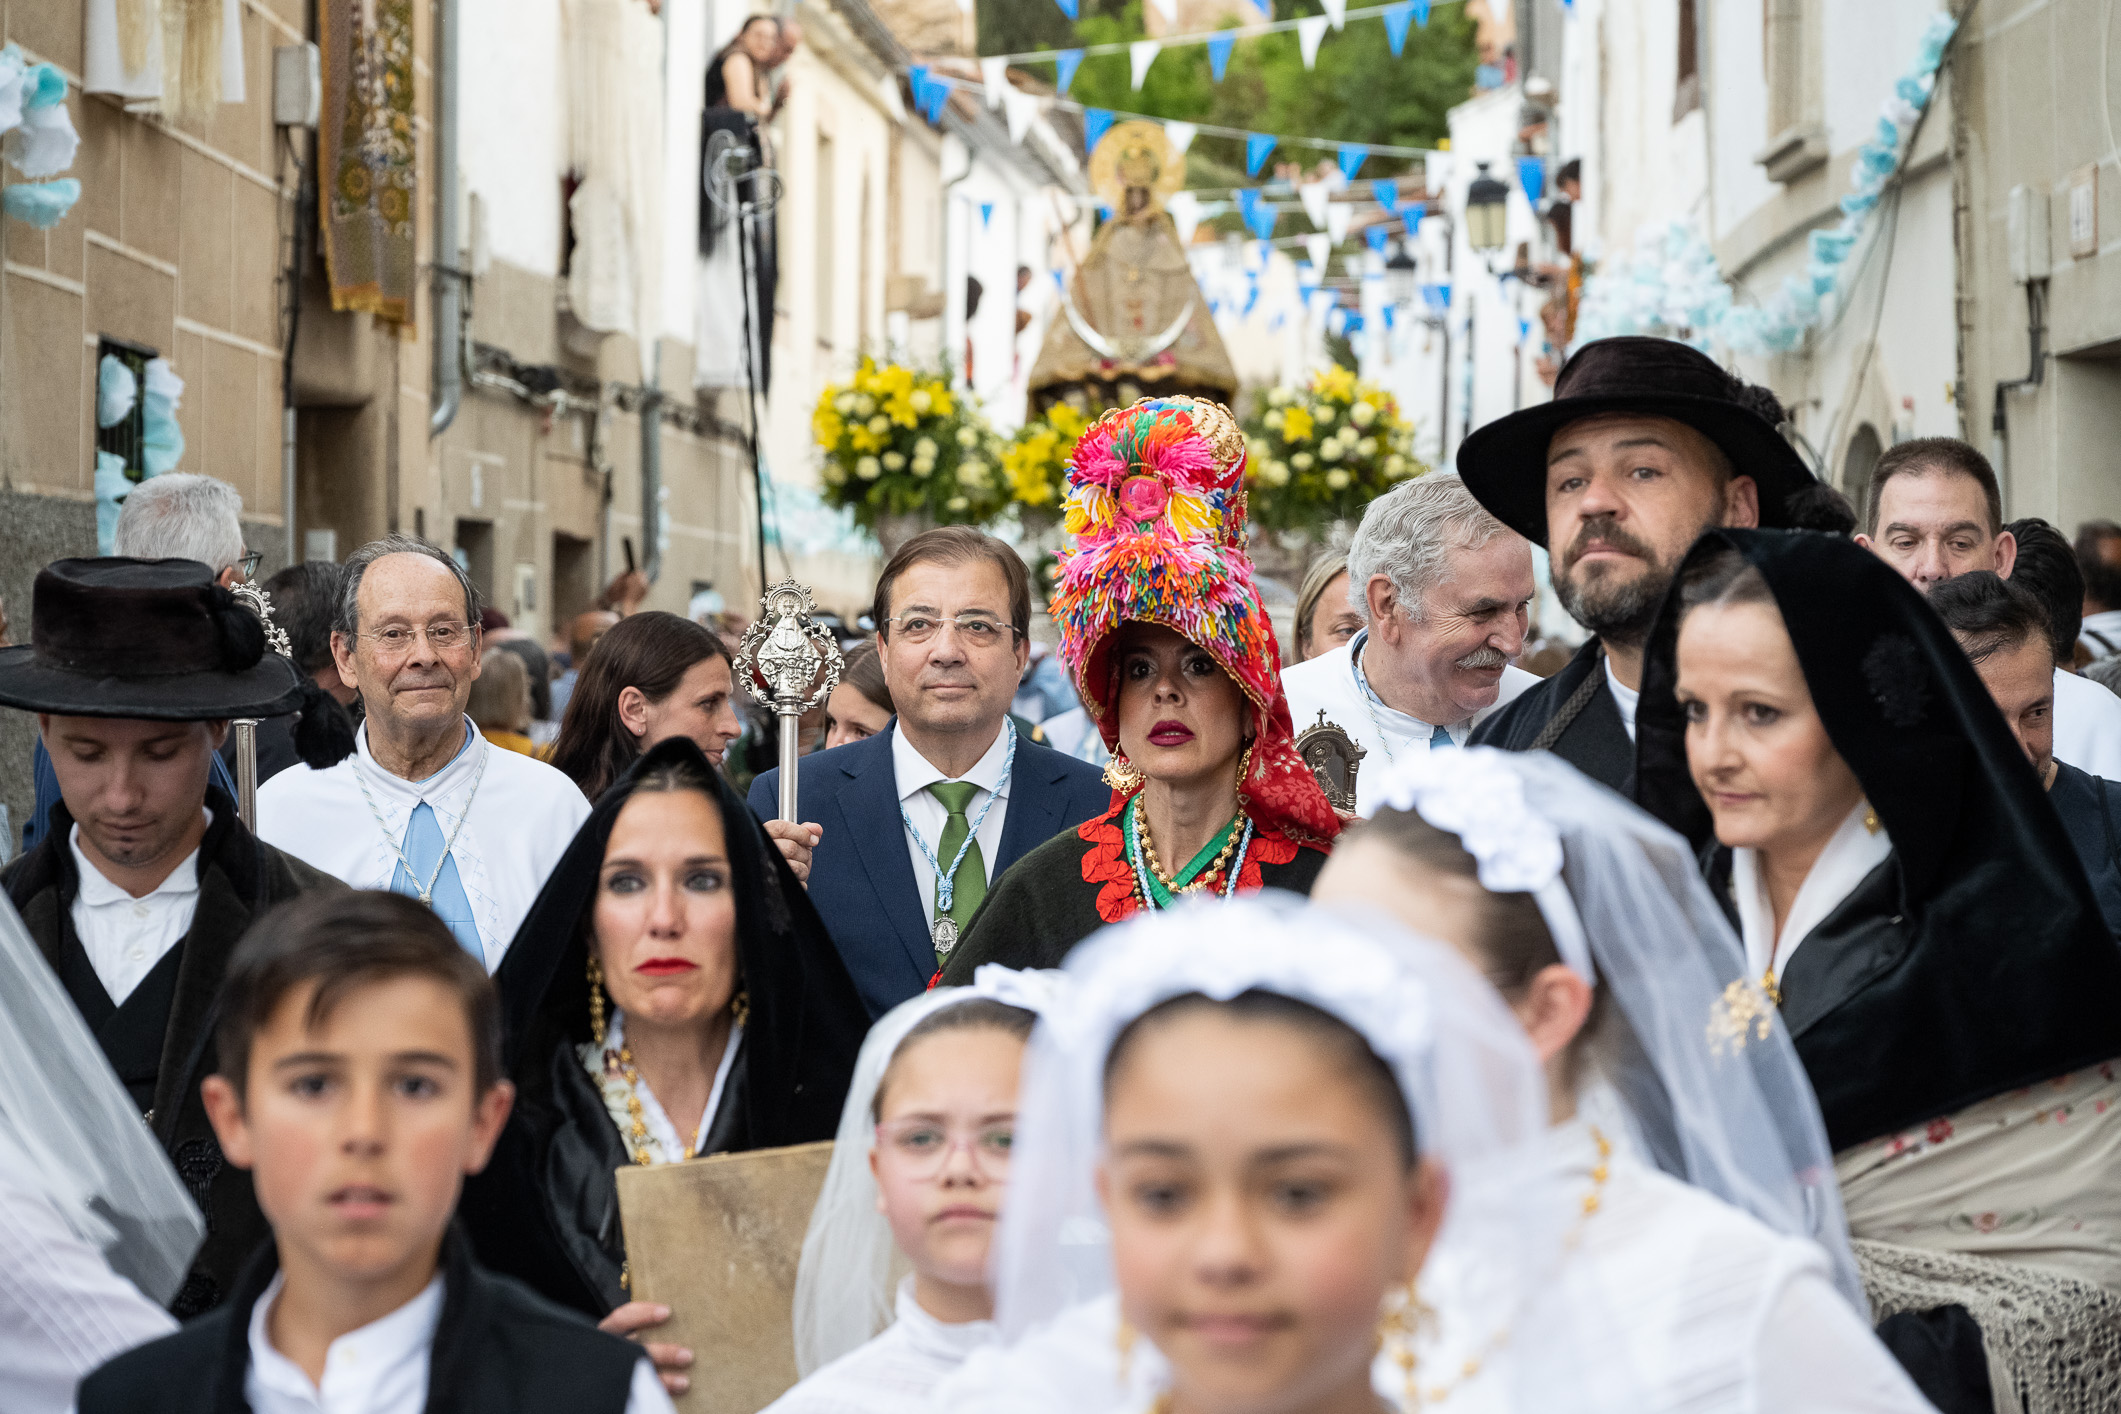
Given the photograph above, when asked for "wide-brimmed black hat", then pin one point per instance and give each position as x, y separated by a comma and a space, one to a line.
143, 638
1504, 464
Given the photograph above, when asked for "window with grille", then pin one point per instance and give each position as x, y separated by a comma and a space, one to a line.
126, 437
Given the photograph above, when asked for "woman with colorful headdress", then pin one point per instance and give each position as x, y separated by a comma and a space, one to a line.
1169, 646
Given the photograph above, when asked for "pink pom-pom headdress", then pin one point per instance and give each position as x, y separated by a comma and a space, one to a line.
1156, 510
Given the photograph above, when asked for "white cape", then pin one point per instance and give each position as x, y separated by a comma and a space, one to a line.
1327, 684
522, 818
2087, 726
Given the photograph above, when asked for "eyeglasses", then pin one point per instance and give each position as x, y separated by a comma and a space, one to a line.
249, 563
975, 630
443, 638
921, 1147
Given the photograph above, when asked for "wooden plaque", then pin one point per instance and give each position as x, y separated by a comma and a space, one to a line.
717, 1240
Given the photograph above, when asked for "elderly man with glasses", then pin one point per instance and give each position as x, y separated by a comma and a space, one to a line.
424, 806
918, 821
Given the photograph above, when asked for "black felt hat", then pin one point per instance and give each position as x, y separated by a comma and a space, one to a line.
143, 638
1504, 464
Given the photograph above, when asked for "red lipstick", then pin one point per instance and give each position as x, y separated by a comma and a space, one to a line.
666, 967
1168, 733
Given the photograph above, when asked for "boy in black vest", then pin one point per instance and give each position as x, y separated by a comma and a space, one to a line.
359, 1083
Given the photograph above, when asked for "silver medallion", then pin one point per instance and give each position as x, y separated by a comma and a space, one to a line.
1334, 759
945, 935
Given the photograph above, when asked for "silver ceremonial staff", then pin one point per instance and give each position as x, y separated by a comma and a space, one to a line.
790, 662
246, 728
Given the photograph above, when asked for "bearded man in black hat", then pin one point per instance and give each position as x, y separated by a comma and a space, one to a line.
137, 894
1647, 444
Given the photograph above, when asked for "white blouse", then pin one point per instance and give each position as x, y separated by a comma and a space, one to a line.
897, 1372
1848, 859
663, 1144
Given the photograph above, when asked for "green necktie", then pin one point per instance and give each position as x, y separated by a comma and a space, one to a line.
969, 885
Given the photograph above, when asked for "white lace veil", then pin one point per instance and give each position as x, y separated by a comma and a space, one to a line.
1696, 1068
844, 1286
1472, 1083
69, 1132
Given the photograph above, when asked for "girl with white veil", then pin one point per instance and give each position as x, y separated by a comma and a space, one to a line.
1245, 1129
919, 1168
1718, 1231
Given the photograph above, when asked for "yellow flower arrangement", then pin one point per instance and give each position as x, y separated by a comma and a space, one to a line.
1036, 459
1323, 452
899, 441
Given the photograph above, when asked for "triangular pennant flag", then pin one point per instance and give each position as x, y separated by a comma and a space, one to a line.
1143, 53
1352, 325
1184, 209
1071, 8
1169, 9
1532, 176
1266, 8
1262, 251
986, 214
1219, 47
1257, 146
1306, 275
1412, 216
1060, 281
1314, 196
1351, 161
1387, 194
1396, 21
1180, 136
1319, 248
994, 75
1338, 217
1337, 11
1096, 122
1377, 236
917, 80
1309, 31
1259, 215
1387, 312
1020, 108
938, 95
1421, 13
1065, 63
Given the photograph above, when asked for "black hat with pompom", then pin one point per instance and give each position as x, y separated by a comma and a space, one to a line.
155, 639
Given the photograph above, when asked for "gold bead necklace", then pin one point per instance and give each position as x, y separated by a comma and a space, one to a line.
1156, 867
639, 1118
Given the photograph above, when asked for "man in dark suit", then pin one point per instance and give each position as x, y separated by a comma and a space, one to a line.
1646, 444
918, 821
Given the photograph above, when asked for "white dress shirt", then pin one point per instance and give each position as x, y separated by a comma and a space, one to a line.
124, 936
1626, 698
897, 1372
380, 1368
914, 774
517, 820
63, 1311
2087, 726
1334, 684
2107, 625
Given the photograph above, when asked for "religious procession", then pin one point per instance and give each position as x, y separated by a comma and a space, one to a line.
1060, 707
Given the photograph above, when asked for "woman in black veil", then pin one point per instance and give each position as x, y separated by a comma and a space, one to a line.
671, 994
1907, 897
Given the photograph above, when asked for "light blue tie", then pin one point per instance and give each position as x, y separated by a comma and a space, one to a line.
423, 846
1438, 740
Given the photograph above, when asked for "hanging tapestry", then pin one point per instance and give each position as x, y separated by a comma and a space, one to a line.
368, 156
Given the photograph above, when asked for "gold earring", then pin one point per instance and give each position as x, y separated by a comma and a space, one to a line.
1121, 774
740, 1007
1871, 821
1124, 1339
596, 1002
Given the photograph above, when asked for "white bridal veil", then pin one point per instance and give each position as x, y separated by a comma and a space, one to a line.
69, 1132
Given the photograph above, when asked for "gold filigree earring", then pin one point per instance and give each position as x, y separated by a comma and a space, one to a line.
596, 1002
740, 1007
1121, 774
1871, 821
1123, 1338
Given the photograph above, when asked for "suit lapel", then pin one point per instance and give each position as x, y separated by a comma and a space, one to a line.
1850, 949
1036, 808
869, 813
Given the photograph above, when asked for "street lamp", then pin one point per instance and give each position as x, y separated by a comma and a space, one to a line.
1487, 213
1401, 283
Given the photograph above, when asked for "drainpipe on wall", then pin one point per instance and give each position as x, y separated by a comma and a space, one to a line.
651, 357
448, 332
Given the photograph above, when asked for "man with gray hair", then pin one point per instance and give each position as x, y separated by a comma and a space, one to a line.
425, 806
175, 516
180, 516
1443, 588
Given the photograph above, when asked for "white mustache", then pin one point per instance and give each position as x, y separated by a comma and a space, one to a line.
1483, 658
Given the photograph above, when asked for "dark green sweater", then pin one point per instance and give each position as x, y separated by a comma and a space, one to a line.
1043, 906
